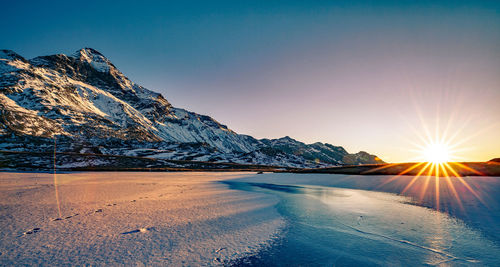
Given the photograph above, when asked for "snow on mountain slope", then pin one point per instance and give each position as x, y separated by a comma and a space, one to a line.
164, 121
81, 110
87, 100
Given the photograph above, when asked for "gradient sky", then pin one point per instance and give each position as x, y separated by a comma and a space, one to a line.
366, 75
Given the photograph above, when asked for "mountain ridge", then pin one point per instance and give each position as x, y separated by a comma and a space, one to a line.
86, 102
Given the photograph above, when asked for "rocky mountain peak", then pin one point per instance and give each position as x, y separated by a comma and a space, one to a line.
89, 51
86, 102
94, 58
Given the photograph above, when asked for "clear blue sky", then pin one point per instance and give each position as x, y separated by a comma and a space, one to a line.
351, 73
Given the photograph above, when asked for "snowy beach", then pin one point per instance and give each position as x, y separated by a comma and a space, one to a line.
174, 219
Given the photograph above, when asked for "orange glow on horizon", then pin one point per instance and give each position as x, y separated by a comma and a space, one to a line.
437, 162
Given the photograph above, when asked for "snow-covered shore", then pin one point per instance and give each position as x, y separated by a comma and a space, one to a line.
171, 219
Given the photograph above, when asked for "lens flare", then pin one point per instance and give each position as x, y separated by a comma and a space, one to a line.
437, 172
55, 181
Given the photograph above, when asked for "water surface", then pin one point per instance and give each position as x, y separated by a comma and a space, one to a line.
339, 226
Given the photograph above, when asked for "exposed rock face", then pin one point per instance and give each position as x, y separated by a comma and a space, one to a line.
89, 105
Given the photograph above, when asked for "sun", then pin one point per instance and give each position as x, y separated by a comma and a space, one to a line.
436, 163
437, 153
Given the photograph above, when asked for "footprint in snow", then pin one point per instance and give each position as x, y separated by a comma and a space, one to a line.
65, 218
71, 216
140, 230
32, 231
219, 250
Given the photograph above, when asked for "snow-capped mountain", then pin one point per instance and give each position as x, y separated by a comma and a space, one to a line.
89, 106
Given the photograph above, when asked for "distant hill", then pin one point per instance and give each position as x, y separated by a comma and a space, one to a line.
85, 104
